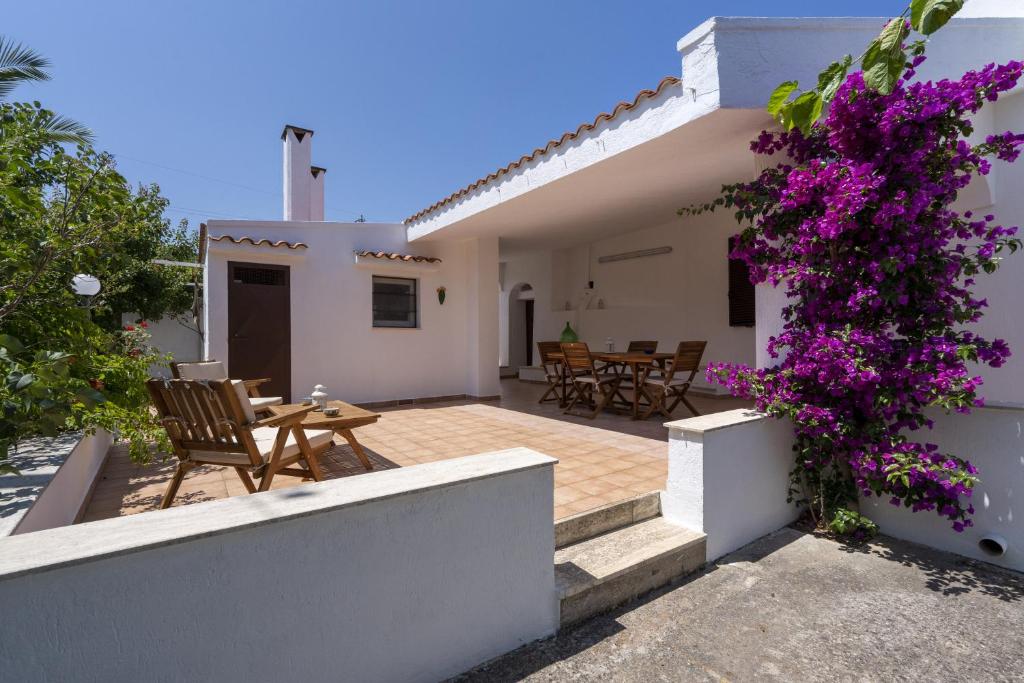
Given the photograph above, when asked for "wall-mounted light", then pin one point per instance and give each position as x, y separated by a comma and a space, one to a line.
640, 253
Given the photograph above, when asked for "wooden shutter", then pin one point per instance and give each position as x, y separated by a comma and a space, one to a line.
741, 292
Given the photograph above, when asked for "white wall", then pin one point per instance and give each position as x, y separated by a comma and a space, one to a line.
671, 298
174, 335
412, 574
992, 440
728, 474
333, 340
66, 494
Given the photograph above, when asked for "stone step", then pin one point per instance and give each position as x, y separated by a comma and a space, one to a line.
597, 574
601, 520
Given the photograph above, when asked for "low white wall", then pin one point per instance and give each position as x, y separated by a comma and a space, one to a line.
992, 439
68, 491
728, 474
412, 574
54, 480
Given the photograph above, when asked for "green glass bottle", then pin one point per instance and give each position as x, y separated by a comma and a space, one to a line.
569, 334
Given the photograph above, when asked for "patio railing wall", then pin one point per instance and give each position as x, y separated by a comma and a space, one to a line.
408, 574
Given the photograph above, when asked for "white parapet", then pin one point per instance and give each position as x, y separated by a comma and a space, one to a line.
410, 574
728, 474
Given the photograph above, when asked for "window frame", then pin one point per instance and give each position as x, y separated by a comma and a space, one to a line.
414, 285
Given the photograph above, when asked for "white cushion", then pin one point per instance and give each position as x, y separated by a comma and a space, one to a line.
604, 377
207, 369
265, 440
264, 437
262, 402
243, 398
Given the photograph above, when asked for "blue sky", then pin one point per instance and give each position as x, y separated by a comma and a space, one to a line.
409, 100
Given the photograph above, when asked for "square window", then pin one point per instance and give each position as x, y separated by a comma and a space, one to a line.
395, 302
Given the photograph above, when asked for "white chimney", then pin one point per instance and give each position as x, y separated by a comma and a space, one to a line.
316, 193
298, 181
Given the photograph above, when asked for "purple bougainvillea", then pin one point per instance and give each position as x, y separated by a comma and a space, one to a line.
856, 224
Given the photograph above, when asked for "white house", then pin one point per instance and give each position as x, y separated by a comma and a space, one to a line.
584, 230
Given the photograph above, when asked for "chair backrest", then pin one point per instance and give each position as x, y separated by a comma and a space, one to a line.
203, 369
205, 416
687, 359
577, 357
642, 346
548, 351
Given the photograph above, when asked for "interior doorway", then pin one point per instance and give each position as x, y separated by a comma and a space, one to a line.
520, 326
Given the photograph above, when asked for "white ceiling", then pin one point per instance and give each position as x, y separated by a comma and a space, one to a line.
640, 187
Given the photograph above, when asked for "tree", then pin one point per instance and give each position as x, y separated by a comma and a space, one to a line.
19, 64
64, 365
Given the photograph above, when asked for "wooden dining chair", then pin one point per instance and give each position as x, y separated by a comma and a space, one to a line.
214, 369
674, 381
211, 422
551, 362
586, 380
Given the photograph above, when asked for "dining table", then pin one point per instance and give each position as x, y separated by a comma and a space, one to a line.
634, 360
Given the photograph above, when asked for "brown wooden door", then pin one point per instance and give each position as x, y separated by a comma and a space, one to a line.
259, 326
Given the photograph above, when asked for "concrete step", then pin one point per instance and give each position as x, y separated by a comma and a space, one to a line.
597, 574
601, 520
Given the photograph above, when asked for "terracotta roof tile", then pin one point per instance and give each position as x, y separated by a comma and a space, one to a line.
391, 256
552, 144
257, 243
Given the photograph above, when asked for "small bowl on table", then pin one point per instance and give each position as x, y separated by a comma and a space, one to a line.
331, 411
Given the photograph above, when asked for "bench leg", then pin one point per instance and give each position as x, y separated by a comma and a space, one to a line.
172, 488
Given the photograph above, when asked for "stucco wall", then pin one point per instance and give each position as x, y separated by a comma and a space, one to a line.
991, 438
727, 476
454, 350
413, 574
671, 298
177, 336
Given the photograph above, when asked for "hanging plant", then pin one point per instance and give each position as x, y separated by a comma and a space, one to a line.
441, 295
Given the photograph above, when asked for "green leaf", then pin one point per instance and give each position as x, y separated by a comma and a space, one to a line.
883, 62
805, 110
12, 344
892, 36
24, 381
928, 16
779, 97
831, 78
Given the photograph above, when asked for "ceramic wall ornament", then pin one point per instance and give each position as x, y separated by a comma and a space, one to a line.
569, 334
440, 295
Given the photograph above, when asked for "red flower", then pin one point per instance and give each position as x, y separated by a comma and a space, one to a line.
129, 328
143, 324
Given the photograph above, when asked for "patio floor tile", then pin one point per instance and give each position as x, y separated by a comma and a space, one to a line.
601, 461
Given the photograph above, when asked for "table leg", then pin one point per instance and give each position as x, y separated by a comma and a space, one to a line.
357, 447
308, 454
635, 369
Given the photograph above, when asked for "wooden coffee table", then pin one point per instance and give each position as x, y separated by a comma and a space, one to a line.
349, 417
